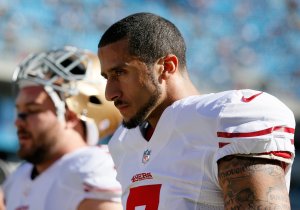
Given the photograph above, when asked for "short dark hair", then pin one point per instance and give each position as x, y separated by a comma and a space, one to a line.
149, 36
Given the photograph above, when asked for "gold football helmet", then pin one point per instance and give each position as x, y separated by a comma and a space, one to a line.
72, 79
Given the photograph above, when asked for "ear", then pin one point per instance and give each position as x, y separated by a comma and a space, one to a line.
170, 64
71, 119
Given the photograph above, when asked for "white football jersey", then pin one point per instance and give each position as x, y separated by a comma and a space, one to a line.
86, 173
177, 168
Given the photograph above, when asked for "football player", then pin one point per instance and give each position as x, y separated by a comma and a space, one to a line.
61, 115
178, 149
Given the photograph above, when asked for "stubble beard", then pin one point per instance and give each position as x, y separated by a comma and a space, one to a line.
144, 112
38, 153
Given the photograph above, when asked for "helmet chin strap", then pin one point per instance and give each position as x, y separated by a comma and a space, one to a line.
58, 103
92, 132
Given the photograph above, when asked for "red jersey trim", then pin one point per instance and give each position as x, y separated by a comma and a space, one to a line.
256, 133
282, 154
222, 144
89, 188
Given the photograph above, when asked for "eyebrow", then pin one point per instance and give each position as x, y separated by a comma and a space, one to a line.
113, 69
28, 104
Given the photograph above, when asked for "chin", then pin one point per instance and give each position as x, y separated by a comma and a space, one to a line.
22, 154
132, 123
24, 151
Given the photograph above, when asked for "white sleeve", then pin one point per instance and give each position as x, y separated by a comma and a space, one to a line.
87, 176
258, 126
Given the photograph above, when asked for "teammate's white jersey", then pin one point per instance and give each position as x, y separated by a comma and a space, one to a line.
86, 173
177, 168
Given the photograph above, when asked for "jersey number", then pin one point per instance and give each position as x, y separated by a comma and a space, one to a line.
147, 196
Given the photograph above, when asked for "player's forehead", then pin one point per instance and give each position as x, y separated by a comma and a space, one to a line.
113, 55
32, 95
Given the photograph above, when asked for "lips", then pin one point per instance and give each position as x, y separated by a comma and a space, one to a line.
120, 105
23, 135
122, 108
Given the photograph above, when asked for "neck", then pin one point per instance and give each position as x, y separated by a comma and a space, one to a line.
181, 88
68, 143
177, 89
146, 130
40, 168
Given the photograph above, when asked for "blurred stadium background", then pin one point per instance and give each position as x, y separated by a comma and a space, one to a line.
231, 44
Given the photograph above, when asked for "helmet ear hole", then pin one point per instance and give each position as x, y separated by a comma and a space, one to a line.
74, 76
95, 100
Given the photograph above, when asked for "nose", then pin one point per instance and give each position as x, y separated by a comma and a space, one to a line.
112, 91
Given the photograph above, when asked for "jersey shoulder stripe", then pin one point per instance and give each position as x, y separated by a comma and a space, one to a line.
256, 133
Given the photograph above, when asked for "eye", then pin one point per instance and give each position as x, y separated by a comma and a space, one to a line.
25, 115
115, 74
119, 72
34, 110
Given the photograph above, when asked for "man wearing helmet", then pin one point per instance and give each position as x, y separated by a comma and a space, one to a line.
61, 110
